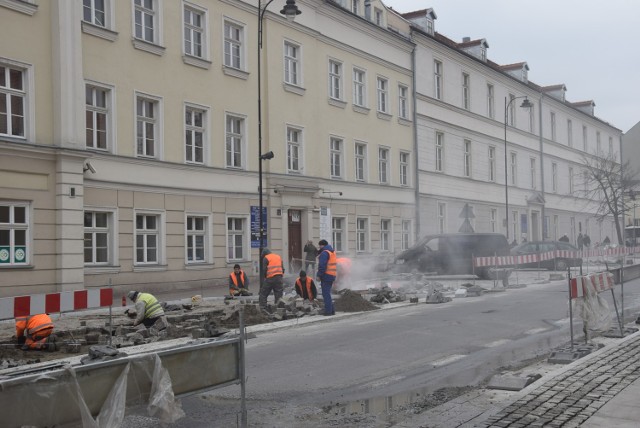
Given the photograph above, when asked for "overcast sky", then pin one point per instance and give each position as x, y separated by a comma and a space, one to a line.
593, 47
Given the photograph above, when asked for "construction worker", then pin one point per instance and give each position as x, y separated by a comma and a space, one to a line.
238, 282
148, 308
305, 287
273, 271
34, 332
344, 272
327, 272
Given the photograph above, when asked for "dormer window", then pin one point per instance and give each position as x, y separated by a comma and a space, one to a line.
525, 74
377, 14
483, 53
430, 26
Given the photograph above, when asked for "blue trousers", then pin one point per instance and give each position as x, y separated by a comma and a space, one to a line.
326, 296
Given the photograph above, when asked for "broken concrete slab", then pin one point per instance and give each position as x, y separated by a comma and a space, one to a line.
511, 382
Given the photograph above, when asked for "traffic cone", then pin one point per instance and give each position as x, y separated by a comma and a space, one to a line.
124, 300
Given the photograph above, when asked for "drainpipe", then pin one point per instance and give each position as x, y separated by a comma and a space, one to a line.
416, 175
542, 170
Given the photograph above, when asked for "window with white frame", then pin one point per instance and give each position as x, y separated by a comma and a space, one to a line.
584, 138
194, 134
98, 238
147, 126
512, 110
362, 234
377, 13
598, 144
355, 7
437, 79
233, 45
383, 165
335, 80
466, 91
514, 168
338, 231
439, 158
611, 146
569, 133
385, 235
336, 157
361, 161
294, 150
404, 168
146, 21
532, 170
554, 177
492, 163
196, 233
15, 240
195, 37
532, 118
95, 12
493, 220
406, 234
490, 101
98, 105
571, 189
234, 141
553, 126
383, 95
292, 63
236, 239
403, 102
147, 239
359, 87
429, 22
442, 217
13, 101
467, 158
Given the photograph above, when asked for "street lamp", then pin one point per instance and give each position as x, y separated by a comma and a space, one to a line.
525, 104
290, 11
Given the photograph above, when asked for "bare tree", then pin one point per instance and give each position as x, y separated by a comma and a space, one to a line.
606, 181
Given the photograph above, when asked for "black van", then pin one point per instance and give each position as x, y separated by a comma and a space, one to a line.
452, 254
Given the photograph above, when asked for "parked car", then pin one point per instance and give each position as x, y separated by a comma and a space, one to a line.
452, 254
536, 247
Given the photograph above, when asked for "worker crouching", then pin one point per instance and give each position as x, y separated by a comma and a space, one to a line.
148, 310
305, 287
34, 332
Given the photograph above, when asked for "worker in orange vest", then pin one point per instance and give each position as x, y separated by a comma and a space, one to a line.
238, 282
344, 272
327, 272
305, 287
35, 332
273, 272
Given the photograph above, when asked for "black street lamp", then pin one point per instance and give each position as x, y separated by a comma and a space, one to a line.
525, 104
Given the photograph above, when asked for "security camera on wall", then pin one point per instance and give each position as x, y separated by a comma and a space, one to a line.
89, 167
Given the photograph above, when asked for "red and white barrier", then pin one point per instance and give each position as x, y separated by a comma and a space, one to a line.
550, 255
590, 284
12, 307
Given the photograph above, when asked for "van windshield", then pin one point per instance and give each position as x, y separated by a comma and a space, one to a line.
432, 244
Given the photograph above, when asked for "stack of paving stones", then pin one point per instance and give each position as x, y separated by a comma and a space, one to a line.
386, 295
572, 397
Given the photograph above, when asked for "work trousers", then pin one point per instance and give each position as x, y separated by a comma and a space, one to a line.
270, 284
326, 285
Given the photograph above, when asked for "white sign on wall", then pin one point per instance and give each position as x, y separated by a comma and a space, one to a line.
325, 223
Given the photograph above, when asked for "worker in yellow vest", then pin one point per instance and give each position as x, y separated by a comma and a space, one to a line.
34, 332
238, 282
148, 309
273, 272
305, 287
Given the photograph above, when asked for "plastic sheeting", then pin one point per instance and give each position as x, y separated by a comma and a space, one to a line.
593, 309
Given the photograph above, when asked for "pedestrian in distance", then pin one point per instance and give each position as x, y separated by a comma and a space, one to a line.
564, 238
306, 287
310, 254
586, 240
34, 333
238, 282
580, 241
148, 310
327, 271
273, 272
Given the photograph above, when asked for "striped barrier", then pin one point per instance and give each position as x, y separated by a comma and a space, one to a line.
67, 301
590, 284
550, 255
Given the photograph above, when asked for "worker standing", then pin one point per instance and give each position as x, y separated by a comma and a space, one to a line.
327, 271
238, 282
35, 332
273, 272
305, 287
148, 309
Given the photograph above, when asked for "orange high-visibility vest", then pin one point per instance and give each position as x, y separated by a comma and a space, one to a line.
274, 266
34, 326
307, 287
332, 264
234, 278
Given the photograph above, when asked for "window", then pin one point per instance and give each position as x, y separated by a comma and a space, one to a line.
490, 101
514, 168
439, 151
97, 238
12, 101
553, 126
483, 53
493, 221
336, 158
378, 16
14, 234
147, 116
361, 161
233, 45
196, 239
532, 118
406, 234
532, 170
194, 134
292, 64
554, 177
359, 88
362, 234
355, 7
383, 165
234, 141
611, 146
194, 32
584, 138
404, 168
437, 78
385, 235
571, 189
383, 95
97, 117
335, 80
466, 91
514, 223
236, 239
147, 238
338, 232
492, 164
569, 133
294, 150
467, 158
146, 21
403, 102
94, 12
512, 110
598, 144
442, 217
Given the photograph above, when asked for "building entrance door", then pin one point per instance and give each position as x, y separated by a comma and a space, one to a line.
535, 227
295, 241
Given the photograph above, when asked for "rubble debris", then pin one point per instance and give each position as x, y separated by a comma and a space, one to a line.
101, 353
350, 301
472, 290
386, 295
437, 297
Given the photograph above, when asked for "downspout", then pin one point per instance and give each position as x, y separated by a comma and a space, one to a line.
623, 236
544, 200
416, 175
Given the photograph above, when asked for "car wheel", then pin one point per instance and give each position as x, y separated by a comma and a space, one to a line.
561, 264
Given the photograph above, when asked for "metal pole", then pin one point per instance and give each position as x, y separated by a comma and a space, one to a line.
570, 307
506, 184
241, 368
110, 314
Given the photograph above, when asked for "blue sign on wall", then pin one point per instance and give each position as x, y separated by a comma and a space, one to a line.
255, 228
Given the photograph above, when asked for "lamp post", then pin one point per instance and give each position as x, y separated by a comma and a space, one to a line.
525, 104
290, 11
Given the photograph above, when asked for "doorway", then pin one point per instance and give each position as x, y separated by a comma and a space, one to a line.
295, 240
535, 226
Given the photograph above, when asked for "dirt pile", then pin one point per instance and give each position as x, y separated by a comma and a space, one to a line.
351, 301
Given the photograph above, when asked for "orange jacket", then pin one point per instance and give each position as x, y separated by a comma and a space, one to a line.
308, 291
233, 279
332, 265
30, 326
274, 265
